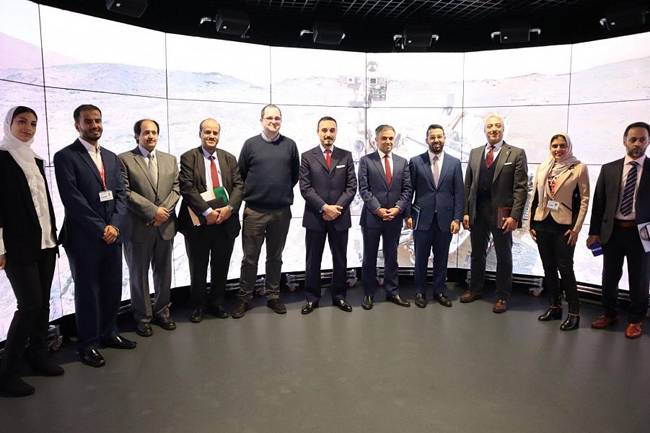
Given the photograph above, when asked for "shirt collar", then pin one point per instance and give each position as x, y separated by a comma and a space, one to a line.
270, 139
640, 160
497, 146
89, 147
322, 148
382, 154
145, 152
431, 155
207, 154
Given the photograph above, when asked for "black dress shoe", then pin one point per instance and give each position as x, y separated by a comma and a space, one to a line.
570, 323
91, 356
118, 342
420, 300
397, 300
197, 315
144, 329
552, 313
368, 302
44, 366
166, 323
442, 299
342, 304
219, 312
14, 386
309, 307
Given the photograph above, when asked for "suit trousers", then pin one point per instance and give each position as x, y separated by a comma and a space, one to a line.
271, 226
625, 243
157, 253
97, 275
484, 225
427, 241
208, 244
557, 256
315, 242
390, 233
31, 284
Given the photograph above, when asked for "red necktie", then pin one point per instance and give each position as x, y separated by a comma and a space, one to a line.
328, 158
489, 158
389, 175
213, 172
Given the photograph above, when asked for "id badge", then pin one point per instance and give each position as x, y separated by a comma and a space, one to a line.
553, 205
105, 196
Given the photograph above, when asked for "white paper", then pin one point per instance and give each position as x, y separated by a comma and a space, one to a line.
644, 234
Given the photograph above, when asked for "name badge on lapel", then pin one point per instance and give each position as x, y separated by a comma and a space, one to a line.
105, 196
553, 205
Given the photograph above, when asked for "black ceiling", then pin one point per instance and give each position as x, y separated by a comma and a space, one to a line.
463, 25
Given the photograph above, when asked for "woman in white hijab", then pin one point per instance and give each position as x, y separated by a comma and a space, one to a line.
558, 209
27, 251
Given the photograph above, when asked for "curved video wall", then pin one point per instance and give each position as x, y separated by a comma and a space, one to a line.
53, 60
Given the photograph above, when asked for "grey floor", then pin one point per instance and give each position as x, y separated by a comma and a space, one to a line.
389, 370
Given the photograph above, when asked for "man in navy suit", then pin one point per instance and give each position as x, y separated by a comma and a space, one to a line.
92, 191
437, 210
328, 184
385, 187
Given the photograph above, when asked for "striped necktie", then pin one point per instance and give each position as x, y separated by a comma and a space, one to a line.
628, 191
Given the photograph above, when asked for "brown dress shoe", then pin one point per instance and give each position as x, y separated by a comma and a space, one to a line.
602, 322
500, 306
633, 330
469, 296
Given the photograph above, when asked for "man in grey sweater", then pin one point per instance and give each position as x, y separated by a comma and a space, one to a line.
269, 164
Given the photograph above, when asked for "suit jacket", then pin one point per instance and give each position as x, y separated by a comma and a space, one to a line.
571, 191
193, 182
509, 184
320, 186
606, 196
144, 197
79, 185
21, 230
376, 193
447, 200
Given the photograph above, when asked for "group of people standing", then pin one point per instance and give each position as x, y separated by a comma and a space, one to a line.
125, 204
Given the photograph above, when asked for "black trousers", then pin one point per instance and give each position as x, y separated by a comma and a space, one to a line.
625, 243
315, 241
556, 257
208, 244
31, 284
485, 223
389, 234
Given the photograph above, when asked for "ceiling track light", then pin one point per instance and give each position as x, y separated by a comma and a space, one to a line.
414, 38
230, 22
325, 33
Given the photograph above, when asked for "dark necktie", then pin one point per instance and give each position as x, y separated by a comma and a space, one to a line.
214, 174
328, 158
489, 158
628, 191
389, 175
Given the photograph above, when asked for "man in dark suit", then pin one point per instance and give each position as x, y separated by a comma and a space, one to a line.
385, 187
151, 184
212, 191
92, 191
620, 204
328, 184
496, 187
437, 180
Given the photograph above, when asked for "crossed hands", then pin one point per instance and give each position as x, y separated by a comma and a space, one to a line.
219, 215
388, 214
331, 212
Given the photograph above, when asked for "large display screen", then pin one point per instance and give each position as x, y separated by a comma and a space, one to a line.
53, 61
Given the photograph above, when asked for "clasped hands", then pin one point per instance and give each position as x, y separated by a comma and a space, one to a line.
219, 215
388, 214
111, 233
161, 216
331, 212
509, 224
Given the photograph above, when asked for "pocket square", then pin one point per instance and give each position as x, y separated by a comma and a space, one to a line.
340, 166
507, 163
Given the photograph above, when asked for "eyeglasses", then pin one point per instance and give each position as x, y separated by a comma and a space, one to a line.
271, 119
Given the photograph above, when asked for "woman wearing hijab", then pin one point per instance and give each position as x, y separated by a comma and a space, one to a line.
27, 251
558, 209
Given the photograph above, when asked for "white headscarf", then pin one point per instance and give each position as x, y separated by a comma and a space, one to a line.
23, 154
552, 168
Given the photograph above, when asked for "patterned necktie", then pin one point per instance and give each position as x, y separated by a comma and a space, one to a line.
328, 158
389, 175
153, 167
628, 191
436, 170
489, 158
213, 173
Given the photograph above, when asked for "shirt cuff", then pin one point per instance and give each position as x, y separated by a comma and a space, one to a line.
207, 212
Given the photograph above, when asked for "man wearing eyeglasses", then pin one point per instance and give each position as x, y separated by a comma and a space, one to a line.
269, 164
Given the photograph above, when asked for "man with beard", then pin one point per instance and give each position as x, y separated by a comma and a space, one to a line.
620, 205
90, 183
437, 209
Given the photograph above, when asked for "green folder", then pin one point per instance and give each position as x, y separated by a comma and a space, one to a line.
221, 195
